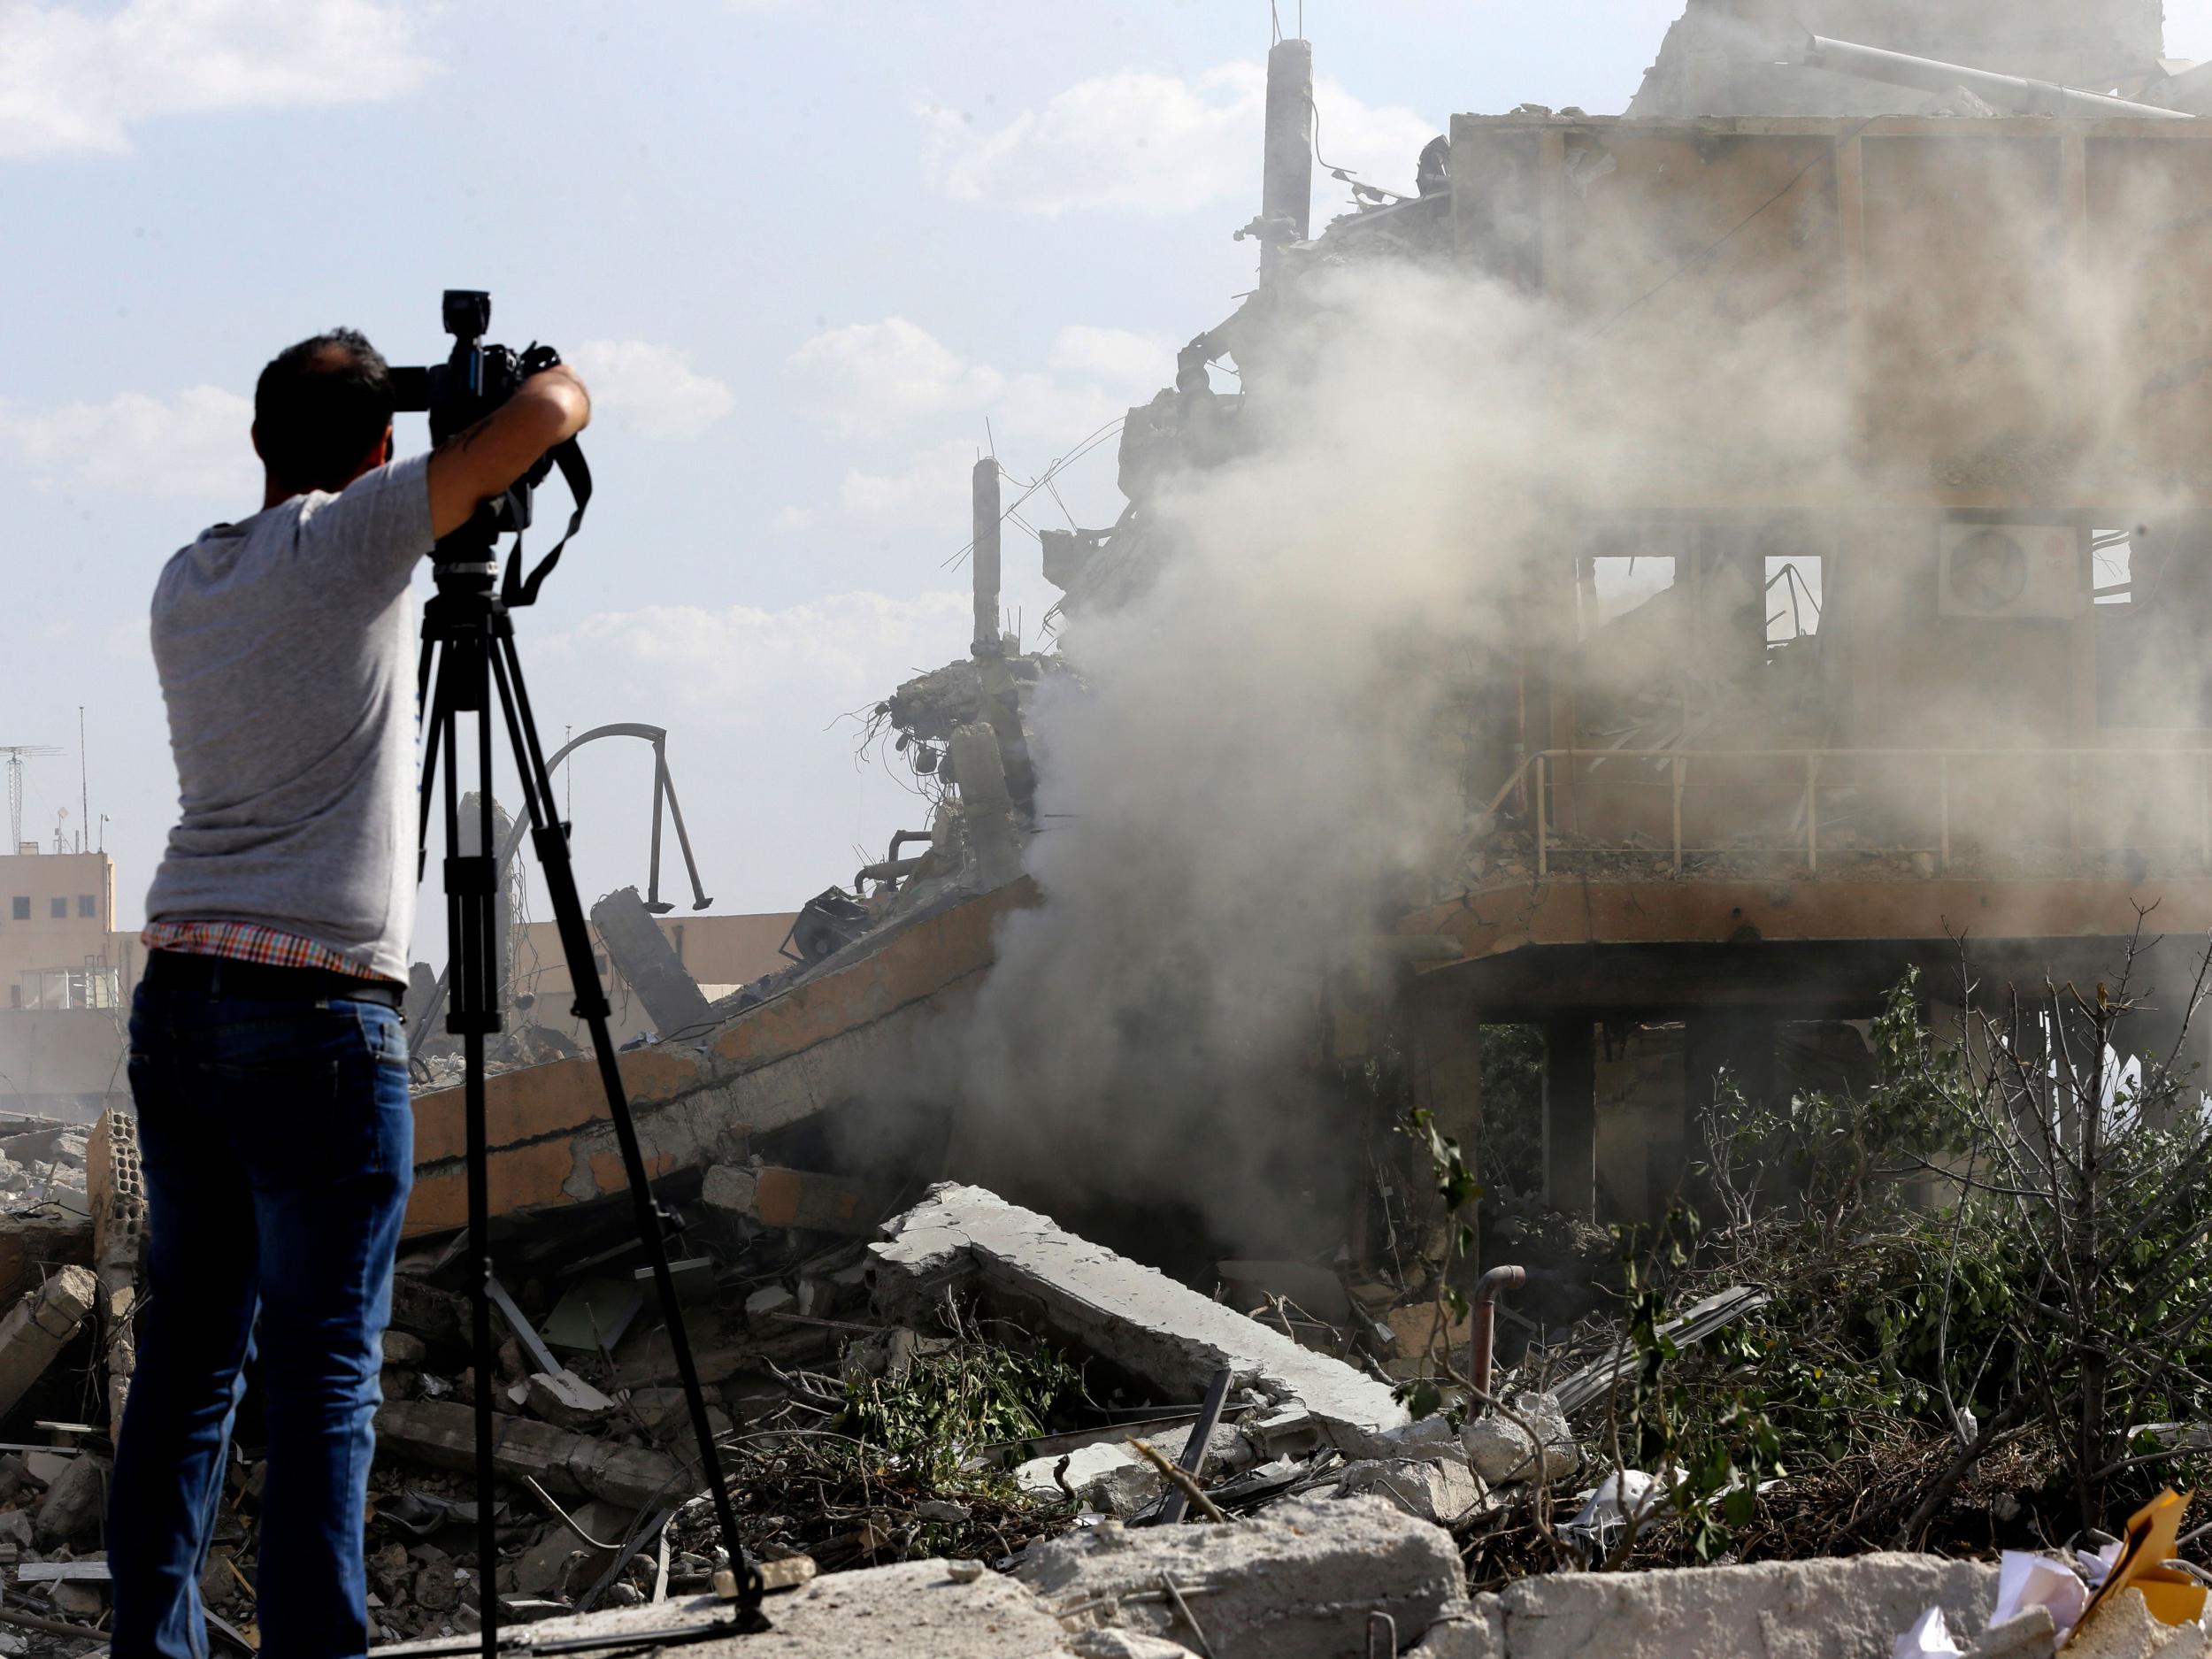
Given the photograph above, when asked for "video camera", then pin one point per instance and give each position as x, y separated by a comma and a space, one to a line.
476, 378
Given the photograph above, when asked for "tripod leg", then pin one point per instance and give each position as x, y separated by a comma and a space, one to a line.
429, 712
462, 686
550, 838
481, 1332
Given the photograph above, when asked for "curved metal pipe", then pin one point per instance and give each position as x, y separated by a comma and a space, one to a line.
1484, 1339
663, 789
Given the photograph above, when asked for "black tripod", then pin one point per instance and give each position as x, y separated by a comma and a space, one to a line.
468, 651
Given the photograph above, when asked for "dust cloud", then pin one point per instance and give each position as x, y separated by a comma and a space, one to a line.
1277, 747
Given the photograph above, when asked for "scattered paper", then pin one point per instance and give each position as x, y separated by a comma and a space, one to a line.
2025, 1581
2152, 1540
1930, 1638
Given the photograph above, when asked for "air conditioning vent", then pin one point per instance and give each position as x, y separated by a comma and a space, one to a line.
2012, 571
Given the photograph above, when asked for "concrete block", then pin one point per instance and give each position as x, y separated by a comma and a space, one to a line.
643, 955
767, 1301
1110, 1479
1138, 1318
38, 1327
563, 1397
1298, 1583
1471, 1630
729, 1188
115, 1187
2123, 1627
72, 1506
77, 1600
1440, 1492
1805, 1610
1501, 1452
1431, 1440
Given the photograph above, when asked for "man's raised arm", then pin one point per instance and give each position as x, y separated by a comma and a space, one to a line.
474, 466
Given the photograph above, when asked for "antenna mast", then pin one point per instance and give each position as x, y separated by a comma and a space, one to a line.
17, 754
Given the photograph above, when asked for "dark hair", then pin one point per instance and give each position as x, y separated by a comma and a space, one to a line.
320, 406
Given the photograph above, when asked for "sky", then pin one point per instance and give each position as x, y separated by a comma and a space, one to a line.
813, 257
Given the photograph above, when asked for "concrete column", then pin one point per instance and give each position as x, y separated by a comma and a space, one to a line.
38, 1327
1571, 1115
1287, 168
984, 498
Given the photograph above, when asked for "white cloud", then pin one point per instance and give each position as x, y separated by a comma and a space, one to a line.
875, 377
931, 493
1114, 355
195, 443
1156, 143
874, 380
724, 663
653, 388
73, 77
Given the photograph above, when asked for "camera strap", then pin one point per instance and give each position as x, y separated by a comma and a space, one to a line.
517, 590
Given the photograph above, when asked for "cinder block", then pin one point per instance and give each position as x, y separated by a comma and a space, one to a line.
39, 1327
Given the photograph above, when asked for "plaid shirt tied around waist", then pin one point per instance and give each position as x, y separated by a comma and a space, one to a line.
247, 942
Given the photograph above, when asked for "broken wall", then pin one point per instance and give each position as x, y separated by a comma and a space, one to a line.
1738, 57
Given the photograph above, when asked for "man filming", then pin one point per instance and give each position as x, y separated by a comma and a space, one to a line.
267, 1062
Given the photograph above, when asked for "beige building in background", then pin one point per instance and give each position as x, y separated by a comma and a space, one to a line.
69, 977
720, 952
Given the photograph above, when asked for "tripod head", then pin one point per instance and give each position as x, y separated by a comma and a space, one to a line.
476, 377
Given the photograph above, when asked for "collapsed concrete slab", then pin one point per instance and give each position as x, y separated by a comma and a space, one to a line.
672, 999
39, 1326
822, 1043
1299, 1583
442, 1434
1135, 1317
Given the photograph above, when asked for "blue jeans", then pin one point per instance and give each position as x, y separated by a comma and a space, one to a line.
279, 1147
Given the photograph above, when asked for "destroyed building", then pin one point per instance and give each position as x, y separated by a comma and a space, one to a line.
1761, 718
1764, 735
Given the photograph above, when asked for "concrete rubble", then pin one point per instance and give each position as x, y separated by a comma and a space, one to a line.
963, 1238
39, 1326
935, 1400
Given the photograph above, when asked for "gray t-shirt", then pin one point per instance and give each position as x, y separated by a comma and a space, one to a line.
285, 647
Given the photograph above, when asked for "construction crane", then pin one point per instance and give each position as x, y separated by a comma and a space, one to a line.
17, 754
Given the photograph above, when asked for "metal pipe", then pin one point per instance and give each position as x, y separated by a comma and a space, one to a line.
890, 870
1484, 1337
2007, 92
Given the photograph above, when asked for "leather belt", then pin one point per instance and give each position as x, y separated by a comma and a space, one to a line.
262, 981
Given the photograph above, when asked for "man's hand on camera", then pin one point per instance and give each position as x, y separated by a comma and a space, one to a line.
478, 466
